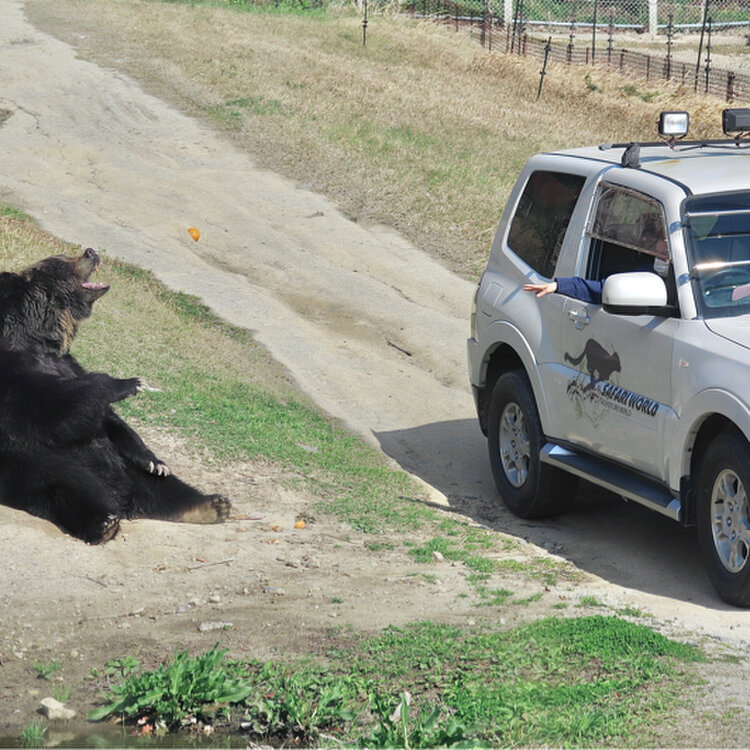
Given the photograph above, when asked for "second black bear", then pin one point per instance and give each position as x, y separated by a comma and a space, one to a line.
65, 455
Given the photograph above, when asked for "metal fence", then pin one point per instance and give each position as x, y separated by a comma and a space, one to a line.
650, 16
702, 77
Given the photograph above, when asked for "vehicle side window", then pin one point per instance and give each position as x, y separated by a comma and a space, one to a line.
627, 233
544, 210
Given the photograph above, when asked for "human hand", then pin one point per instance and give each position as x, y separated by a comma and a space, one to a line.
541, 289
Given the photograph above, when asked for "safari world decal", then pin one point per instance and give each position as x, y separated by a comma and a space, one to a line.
595, 390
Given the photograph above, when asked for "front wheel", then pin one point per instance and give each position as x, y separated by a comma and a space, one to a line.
528, 487
723, 516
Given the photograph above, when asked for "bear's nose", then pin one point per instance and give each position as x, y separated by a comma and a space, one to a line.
89, 252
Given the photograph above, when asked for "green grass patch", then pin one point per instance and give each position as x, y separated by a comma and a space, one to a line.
546, 570
256, 105
465, 543
380, 546
457, 542
480, 564
495, 597
34, 734
448, 548
633, 612
528, 599
45, 670
584, 681
13, 213
632, 90
591, 602
459, 545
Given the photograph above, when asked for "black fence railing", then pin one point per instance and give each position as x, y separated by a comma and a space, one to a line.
728, 85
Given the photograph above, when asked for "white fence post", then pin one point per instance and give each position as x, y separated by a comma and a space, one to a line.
508, 12
653, 18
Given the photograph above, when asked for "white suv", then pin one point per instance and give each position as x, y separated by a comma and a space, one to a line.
645, 391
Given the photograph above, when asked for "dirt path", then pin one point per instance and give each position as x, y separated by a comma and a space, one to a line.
370, 327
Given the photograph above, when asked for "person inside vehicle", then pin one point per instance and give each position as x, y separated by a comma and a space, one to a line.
590, 290
587, 290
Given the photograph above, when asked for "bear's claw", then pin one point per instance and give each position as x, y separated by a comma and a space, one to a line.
142, 385
108, 529
223, 507
158, 468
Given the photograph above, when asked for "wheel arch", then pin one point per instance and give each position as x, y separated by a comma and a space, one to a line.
502, 359
702, 434
711, 426
509, 352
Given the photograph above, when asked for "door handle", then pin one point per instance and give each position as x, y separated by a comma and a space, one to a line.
580, 317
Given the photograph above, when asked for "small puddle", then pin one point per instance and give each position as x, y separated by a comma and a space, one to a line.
116, 737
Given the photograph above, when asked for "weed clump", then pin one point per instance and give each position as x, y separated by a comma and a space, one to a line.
557, 681
179, 690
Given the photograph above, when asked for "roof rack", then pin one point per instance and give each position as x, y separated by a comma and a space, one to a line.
673, 127
684, 145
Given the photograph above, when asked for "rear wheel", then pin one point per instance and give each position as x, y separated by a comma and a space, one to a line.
723, 516
528, 487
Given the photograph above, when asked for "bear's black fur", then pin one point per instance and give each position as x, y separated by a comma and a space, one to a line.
65, 455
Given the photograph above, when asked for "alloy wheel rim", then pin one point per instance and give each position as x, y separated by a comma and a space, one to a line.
515, 452
730, 524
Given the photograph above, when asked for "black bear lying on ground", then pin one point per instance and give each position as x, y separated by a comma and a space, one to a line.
65, 455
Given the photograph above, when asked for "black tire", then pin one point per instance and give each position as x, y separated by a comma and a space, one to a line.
723, 516
528, 487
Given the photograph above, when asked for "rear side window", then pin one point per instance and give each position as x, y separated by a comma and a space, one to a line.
542, 216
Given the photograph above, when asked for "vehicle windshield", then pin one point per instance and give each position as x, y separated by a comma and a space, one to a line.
718, 233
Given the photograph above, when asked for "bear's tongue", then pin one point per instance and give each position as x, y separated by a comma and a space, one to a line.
92, 285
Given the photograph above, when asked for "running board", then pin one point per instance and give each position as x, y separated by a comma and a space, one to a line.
615, 479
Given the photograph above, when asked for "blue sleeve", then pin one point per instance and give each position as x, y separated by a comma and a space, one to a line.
578, 288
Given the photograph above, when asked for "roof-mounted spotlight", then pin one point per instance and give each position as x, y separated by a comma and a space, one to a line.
736, 122
673, 126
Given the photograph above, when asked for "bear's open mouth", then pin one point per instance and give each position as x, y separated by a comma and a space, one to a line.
91, 256
93, 285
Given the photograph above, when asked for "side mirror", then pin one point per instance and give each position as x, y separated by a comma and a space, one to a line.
635, 293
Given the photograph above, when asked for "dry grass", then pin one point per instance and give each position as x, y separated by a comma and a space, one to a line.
421, 129
23, 243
